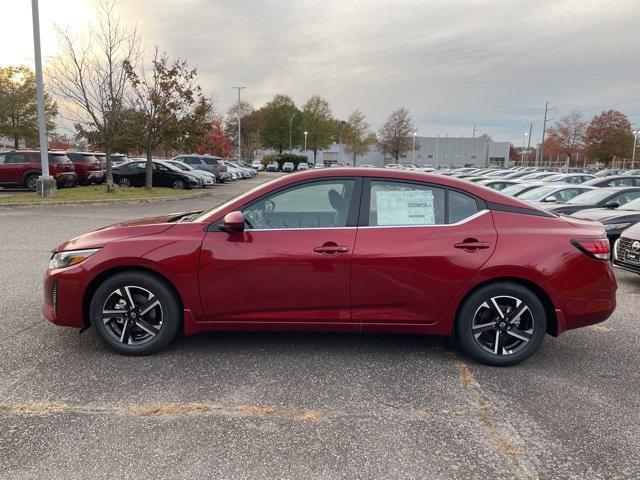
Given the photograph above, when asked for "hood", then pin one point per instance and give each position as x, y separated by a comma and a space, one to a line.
119, 231
605, 214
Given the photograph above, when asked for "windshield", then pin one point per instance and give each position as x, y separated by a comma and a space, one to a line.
513, 189
536, 193
212, 211
590, 198
634, 205
180, 166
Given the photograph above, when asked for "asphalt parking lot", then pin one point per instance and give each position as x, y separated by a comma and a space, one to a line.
293, 406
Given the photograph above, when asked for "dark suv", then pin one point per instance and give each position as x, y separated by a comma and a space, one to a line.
21, 168
207, 163
88, 168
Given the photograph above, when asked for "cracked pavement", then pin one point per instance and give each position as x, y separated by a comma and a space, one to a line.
291, 406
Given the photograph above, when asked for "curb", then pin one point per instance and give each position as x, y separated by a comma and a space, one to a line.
67, 203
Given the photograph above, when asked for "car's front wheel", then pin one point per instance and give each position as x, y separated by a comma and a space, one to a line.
135, 313
178, 184
124, 182
501, 324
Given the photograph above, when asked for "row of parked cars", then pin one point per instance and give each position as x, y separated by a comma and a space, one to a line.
611, 197
275, 166
21, 169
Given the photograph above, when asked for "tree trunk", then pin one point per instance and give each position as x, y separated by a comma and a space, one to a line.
109, 172
148, 181
16, 141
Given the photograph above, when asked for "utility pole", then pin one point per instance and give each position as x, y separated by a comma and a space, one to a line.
239, 123
291, 129
46, 185
544, 131
474, 132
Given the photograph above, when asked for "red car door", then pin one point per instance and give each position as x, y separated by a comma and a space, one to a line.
291, 263
416, 246
14, 167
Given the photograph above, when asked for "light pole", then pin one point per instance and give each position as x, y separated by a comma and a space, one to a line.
305, 142
524, 136
413, 152
46, 184
635, 142
239, 123
290, 128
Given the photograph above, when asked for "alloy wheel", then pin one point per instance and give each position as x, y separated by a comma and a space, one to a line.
124, 182
132, 315
503, 325
178, 184
32, 183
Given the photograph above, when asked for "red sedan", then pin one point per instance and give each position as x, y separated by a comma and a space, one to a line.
349, 250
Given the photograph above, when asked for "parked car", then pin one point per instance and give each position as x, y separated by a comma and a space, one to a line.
626, 252
288, 167
609, 172
610, 197
615, 220
303, 166
245, 172
569, 178
498, 184
273, 167
553, 193
207, 178
116, 158
519, 188
615, 181
139, 283
536, 176
21, 168
207, 163
257, 165
87, 167
133, 174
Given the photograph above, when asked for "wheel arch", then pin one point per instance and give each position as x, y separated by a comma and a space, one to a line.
102, 276
547, 302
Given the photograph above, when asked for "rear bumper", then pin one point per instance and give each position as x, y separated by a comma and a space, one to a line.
65, 178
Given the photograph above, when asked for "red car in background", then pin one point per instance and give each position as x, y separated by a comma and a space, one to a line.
349, 250
87, 167
21, 168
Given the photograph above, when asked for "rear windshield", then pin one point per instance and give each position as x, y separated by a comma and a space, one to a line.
57, 158
77, 157
213, 161
513, 189
536, 193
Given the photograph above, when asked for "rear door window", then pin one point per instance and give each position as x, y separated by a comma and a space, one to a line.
16, 158
405, 204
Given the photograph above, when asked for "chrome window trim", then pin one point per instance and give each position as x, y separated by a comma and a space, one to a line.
461, 222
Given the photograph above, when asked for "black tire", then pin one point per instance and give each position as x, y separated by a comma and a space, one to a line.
178, 184
148, 332
124, 182
520, 324
31, 182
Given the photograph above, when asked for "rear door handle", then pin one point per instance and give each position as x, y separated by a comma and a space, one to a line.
471, 245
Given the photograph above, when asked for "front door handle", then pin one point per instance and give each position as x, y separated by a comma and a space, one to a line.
471, 245
331, 248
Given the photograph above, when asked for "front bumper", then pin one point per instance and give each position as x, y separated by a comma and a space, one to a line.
62, 303
96, 175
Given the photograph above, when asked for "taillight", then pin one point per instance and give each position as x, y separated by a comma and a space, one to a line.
595, 247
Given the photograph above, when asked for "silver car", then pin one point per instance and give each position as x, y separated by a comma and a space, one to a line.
546, 194
207, 178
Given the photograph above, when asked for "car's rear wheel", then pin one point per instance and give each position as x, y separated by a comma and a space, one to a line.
31, 182
124, 182
501, 324
135, 313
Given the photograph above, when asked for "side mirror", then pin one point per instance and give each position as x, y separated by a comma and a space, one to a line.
611, 204
551, 199
233, 222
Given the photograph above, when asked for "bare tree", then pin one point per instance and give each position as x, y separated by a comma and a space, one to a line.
394, 137
90, 75
568, 134
357, 137
161, 100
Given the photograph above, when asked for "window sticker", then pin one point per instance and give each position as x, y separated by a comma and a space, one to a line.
405, 207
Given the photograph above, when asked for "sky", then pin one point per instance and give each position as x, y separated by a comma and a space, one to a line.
454, 64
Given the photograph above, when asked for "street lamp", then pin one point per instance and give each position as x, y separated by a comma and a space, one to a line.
290, 127
305, 142
413, 153
239, 123
524, 136
635, 142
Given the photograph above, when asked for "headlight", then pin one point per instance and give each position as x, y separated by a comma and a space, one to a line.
70, 258
616, 226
